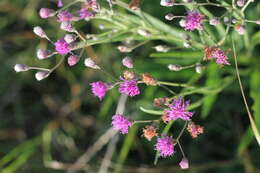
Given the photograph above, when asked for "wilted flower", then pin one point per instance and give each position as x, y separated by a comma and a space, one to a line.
194, 129
129, 87
90, 63
184, 164
216, 53
149, 132
99, 89
46, 12
128, 62
160, 102
165, 146
73, 60
128, 75
178, 109
148, 79
121, 123
40, 75
21, 67
62, 47
193, 21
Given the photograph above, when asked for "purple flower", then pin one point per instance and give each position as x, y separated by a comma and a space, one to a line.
99, 89
85, 14
165, 146
60, 3
129, 87
73, 60
121, 123
178, 109
221, 57
62, 47
64, 16
193, 21
184, 164
46, 12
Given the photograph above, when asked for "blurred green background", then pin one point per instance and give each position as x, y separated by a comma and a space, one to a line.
46, 126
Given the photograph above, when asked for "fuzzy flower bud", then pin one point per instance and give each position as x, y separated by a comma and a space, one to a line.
39, 32
46, 13
73, 60
240, 3
90, 63
128, 62
60, 3
41, 75
184, 164
169, 16
21, 67
167, 3
69, 38
214, 21
43, 54
161, 48
174, 67
257, 22
67, 26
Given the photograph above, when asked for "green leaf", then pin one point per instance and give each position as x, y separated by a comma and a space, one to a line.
256, 38
149, 111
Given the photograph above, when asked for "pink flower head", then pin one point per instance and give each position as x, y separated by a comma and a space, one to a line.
121, 123
129, 87
178, 109
221, 57
85, 13
64, 16
193, 21
99, 89
62, 47
92, 4
165, 146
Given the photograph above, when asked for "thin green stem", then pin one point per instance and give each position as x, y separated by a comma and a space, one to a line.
182, 130
58, 64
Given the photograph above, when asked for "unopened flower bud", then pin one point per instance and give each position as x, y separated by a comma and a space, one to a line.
21, 67
148, 79
90, 63
43, 54
128, 75
214, 21
40, 75
167, 3
187, 44
128, 62
40, 32
123, 49
240, 3
73, 60
69, 38
174, 67
184, 164
234, 21
101, 26
226, 20
143, 32
46, 12
182, 23
198, 68
161, 48
169, 16
257, 21
67, 26
240, 29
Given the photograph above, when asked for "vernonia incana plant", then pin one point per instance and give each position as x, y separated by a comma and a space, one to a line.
193, 34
